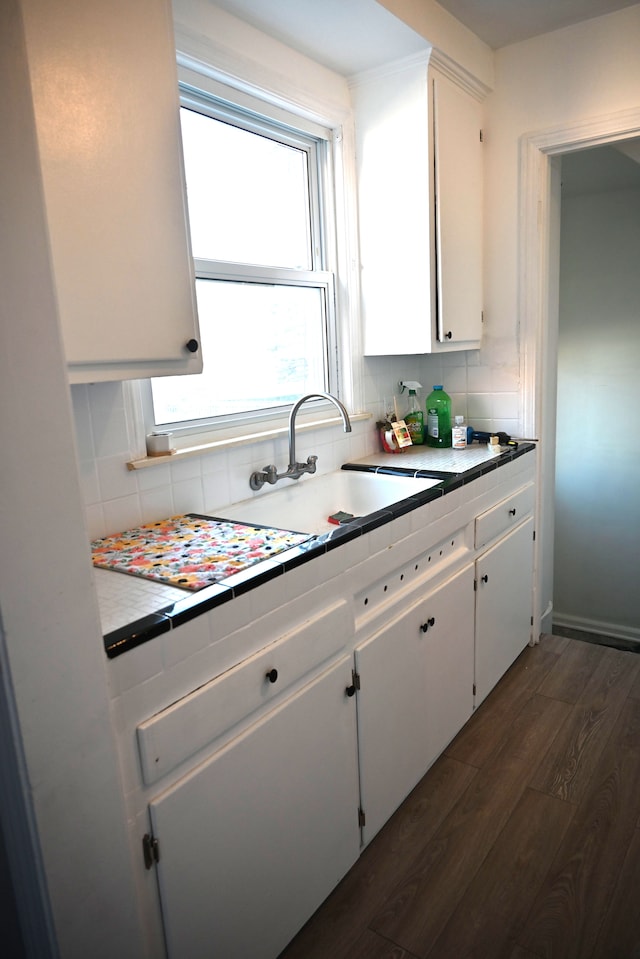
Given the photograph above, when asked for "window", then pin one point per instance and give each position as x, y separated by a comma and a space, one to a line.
259, 197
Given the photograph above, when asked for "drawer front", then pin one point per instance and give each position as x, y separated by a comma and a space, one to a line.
504, 516
171, 736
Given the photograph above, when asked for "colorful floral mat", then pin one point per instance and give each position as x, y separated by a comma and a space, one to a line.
191, 551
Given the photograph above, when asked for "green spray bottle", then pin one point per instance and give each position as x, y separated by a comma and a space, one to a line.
414, 417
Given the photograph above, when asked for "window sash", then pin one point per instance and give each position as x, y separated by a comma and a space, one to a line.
319, 280
317, 144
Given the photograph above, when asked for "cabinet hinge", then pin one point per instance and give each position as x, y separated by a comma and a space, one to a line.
532, 620
481, 136
475, 585
150, 850
474, 689
362, 819
534, 535
355, 678
482, 316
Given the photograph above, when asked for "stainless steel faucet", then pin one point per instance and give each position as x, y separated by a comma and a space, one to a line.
295, 470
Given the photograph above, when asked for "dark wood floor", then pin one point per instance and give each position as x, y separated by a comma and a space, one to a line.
522, 841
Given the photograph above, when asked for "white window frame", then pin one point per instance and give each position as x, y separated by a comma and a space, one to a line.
224, 102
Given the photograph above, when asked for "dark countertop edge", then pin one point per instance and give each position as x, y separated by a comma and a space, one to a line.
202, 601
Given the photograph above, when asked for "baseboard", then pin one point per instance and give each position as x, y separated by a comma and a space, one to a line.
628, 634
546, 620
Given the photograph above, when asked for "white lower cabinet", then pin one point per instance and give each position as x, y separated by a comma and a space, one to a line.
416, 693
265, 781
253, 839
503, 605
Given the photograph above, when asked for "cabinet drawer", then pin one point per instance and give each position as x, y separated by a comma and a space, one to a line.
504, 516
171, 736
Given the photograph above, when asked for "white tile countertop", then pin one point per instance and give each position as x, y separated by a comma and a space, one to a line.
124, 599
426, 458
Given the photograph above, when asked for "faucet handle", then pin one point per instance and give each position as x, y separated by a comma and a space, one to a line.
311, 463
260, 477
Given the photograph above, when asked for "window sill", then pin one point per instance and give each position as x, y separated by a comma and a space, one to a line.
229, 442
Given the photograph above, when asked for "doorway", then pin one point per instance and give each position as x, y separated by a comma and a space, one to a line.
597, 493
539, 279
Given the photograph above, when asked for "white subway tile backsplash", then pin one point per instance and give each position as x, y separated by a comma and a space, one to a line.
510, 426
479, 379
188, 496
215, 490
109, 423
455, 380
364, 440
116, 498
214, 462
156, 504
506, 405
458, 404
504, 380
94, 518
114, 477
479, 406
89, 484
82, 419
121, 514
457, 358
154, 477
185, 469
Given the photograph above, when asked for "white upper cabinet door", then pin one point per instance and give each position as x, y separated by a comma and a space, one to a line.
105, 94
419, 163
457, 143
392, 144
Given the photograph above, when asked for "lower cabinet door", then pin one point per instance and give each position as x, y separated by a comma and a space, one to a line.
416, 692
254, 839
504, 578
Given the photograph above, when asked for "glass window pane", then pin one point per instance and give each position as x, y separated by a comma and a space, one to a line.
247, 195
263, 346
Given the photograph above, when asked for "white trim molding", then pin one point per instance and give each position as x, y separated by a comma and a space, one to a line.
537, 244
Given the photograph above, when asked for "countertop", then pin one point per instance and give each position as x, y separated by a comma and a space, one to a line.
134, 610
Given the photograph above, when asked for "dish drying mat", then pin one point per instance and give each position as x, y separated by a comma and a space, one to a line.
191, 551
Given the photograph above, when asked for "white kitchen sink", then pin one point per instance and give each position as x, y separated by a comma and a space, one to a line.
304, 505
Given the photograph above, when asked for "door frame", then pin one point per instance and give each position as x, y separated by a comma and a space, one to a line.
538, 269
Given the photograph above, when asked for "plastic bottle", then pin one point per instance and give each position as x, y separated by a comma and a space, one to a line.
414, 417
438, 418
459, 434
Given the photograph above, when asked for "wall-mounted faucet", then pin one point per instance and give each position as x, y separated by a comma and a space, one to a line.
295, 470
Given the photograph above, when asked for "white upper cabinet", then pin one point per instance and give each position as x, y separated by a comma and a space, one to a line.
105, 94
419, 156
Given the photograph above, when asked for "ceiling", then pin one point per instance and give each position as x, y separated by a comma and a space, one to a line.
350, 36
347, 36
500, 22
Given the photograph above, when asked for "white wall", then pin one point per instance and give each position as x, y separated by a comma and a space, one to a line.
561, 80
575, 74
60, 795
597, 558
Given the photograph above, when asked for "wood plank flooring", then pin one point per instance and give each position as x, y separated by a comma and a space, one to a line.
523, 839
